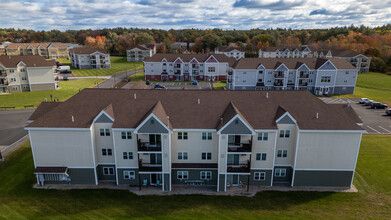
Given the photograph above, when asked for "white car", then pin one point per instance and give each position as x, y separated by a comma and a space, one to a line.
363, 100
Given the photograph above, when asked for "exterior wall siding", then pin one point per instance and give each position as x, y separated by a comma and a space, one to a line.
131, 182
323, 178
266, 182
101, 176
194, 174
82, 175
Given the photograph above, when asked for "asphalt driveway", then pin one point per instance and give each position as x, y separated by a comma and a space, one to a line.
12, 124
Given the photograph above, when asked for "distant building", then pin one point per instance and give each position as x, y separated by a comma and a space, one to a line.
139, 52
285, 52
360, 61
47, 50
90, 58
26, 73
234, 52
184, 67
318, 75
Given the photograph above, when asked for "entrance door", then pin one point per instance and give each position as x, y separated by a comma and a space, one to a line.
155, 159
233, 159
156, 179
234, 139
155, 139
186, 78
233, 179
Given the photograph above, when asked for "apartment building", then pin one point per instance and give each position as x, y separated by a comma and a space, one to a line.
184, 67
319, 76
234, 52
285, 52
26, 73
139, 52
47, 50
358, 60
221, 139
90, 58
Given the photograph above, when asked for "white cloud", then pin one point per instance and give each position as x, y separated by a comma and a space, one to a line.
227, 14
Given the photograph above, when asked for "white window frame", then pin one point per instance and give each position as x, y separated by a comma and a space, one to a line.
285, 133
183, 156
106, 132
259, 176
128, 155
282, 153
108, 171
206, 155
280, 172
126, 135
207, 136
183, 135
263, 136
261, 156
204, 175
131, 175
180, 175
105, 152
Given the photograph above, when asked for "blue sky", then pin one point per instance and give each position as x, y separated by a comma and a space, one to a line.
204, 14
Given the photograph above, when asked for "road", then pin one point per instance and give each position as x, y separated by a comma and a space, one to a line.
116, 79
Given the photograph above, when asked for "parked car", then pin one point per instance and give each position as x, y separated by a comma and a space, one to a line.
363, 100
368, 102
376, 105
157, 86
195, 82
65, 78
148, 82
388, 111
65, 72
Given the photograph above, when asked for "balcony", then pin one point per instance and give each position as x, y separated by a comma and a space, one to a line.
304, 75
229, 80
148, 167
242, 147
278, 84
279, 75
195, 72
239, 168
3, 82
230, 73
146, 146
177, 72
303, 84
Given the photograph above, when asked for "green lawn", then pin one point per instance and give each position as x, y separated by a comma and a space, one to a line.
376, 86
118, 65
66, 90
137, 77
373, 201
219, 85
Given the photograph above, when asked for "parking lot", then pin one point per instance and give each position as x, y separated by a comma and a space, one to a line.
178, 85
375, 121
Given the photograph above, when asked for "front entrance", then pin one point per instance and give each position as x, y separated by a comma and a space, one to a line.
186, 78
156, 179
233, 179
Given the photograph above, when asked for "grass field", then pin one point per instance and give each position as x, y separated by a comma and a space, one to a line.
376, 86
67, 89
118, 65
137, 77
219, 85
19, 201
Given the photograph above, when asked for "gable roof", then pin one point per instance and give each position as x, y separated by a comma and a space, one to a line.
290, 63
87, 50
214, 105
171, 57
29, 60
143, 47
35, 45
42, 109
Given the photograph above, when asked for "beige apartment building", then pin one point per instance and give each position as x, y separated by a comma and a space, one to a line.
26, 73
219, 139
47, 50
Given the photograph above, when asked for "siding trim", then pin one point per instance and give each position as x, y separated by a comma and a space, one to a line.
93, 155
355, 162
297, 147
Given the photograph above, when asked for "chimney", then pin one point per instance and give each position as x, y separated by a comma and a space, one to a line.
73, 119
199, 101
317, 115
134, 96
267, 95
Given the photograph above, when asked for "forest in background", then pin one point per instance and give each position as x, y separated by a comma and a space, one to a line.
374, 42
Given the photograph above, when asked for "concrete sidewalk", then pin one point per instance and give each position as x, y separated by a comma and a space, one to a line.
116, 79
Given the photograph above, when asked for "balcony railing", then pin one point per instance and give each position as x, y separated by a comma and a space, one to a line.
146, 146
278, 75
148, 167
278, 84
304, 75
242, 147
239, 168
177, 73
303, 84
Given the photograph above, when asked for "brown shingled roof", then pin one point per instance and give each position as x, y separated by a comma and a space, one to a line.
43, 108
29, 60
35, 45
144, 46
229, 49
185, 112
87, 50
171, 57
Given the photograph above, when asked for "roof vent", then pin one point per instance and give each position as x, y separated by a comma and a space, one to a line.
9, 57
199, 101
35, 64
317, 115
73, 119
267, 95
168, 120
134, 96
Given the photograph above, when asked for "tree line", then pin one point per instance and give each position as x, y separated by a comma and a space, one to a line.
375, 42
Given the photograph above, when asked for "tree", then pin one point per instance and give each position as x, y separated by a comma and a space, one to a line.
377, 65
143, 38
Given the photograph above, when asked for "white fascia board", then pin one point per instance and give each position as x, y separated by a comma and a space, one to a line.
265, 130
286, 114
56, 129
123, 129
332, 131
156, 118
195, 129
100, 114
232, 119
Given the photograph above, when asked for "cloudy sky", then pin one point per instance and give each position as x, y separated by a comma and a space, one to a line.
204, 14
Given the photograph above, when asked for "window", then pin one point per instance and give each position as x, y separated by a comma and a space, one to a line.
206, 135
326, 79
206, 175
206, 155
108, 171
107, 152
127, 155
14, 88
126, 135
280, 172
347, 72
260, 72
178, 65
259, 176
182, 135
12, 70
285, 133
211, 69
260, 156
182, 156
282, 153
129, 175
263, 136
104, 132
23, 70
24, 78
182, 175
